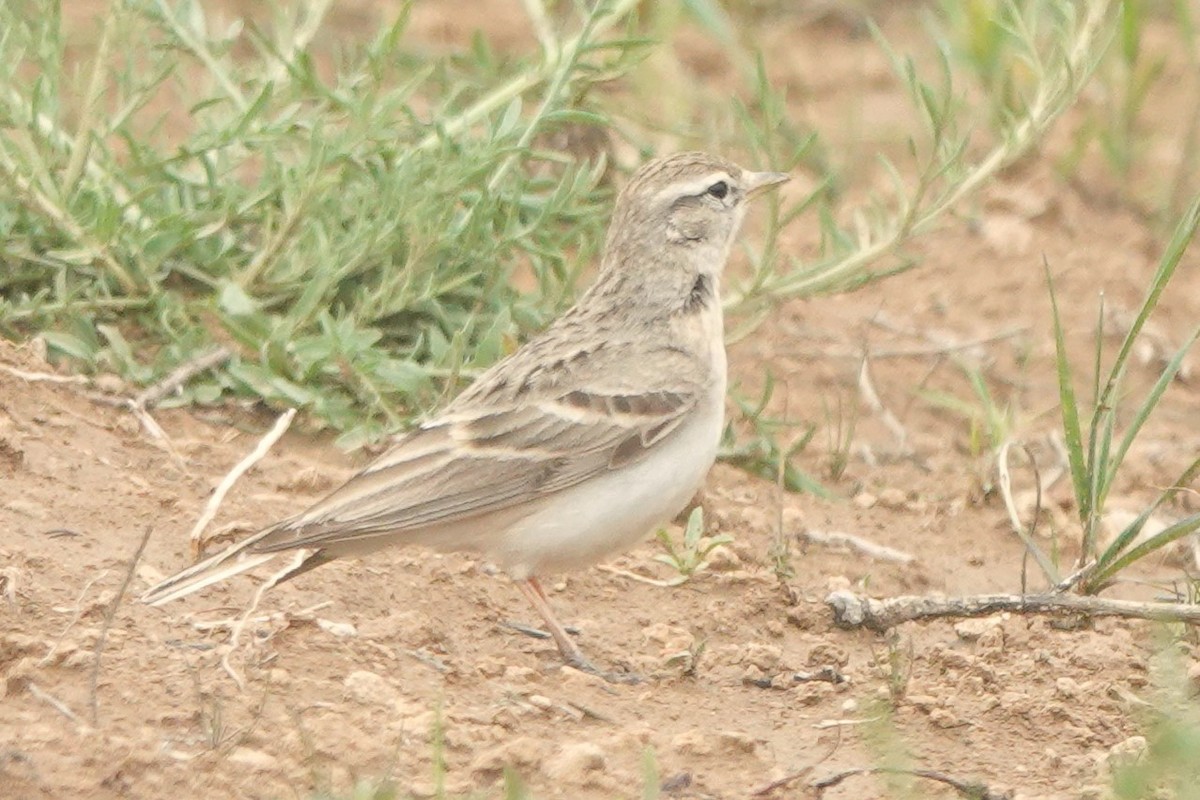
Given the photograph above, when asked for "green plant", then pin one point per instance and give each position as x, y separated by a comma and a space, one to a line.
761, 452
356, 246
365, 790
354, 231
1095, 448
990, 423
1057, 44
987, 36
650, 775
899, 664
1166, 764
691, 555
1112, 121
839, 430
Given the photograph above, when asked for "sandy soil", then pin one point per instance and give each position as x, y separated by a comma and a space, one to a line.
369, 669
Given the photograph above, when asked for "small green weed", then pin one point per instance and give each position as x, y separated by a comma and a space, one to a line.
760, 451
1095, 449
990, 422
1166, 764
690, 556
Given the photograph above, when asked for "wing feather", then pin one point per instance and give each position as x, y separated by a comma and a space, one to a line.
481, 460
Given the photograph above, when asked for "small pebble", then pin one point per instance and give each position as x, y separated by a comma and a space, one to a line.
865, 500
254, 759
575, 763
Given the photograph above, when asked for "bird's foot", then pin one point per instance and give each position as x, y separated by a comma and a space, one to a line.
577, 661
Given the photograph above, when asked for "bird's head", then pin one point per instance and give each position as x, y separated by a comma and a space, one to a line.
688, 203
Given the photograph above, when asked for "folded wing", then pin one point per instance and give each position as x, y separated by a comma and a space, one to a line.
474, 461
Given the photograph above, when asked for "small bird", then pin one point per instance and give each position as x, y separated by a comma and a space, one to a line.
575, 446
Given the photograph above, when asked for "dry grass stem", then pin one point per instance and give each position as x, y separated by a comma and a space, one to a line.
94, 680
857, 544
933, 349
867, 389
76, 614
175, 380
633, 576
838, 724
230, 623
214, 503
970, 789
800, 773
235, 630
43, 377
1004, 478
52, 701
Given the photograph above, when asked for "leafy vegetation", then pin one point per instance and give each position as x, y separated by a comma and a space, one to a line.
1097, 450
367, 230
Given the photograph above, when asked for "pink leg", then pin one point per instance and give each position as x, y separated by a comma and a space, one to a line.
570, 651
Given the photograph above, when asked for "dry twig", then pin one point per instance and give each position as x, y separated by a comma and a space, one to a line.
934, 348
76, 615
235, 630
108, 618
42, 377
1014, 516
52, 701
797, 775
858, 544
154, 394
867, 389
854, 611
140, 404
971, 789
239, 469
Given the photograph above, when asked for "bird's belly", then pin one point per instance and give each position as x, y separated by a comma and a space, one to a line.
586, 523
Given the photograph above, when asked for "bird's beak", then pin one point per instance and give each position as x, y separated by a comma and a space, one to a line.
757, 182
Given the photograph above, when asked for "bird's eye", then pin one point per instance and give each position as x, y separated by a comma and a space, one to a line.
719, 190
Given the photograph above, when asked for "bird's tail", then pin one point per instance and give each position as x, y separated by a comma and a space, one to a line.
232, 561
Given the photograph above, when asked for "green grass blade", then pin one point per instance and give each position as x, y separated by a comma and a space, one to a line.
1185, 527
1165, 379
1103, 568
1174, 251
1070, 409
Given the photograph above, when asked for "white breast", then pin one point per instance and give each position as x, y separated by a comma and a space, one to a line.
610, 513
586, 523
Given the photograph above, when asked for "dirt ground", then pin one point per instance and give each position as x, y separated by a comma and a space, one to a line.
369, 669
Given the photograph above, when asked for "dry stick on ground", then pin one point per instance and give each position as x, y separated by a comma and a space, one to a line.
140, 404
1014, 517
854, 611
858, 544
795, 776
940, 343
235, 631
52, 701
237, 625
42, 377
178, 377
867, 389
214, 502
923, 350
108, 619
76, 615
971, 789
303, 615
